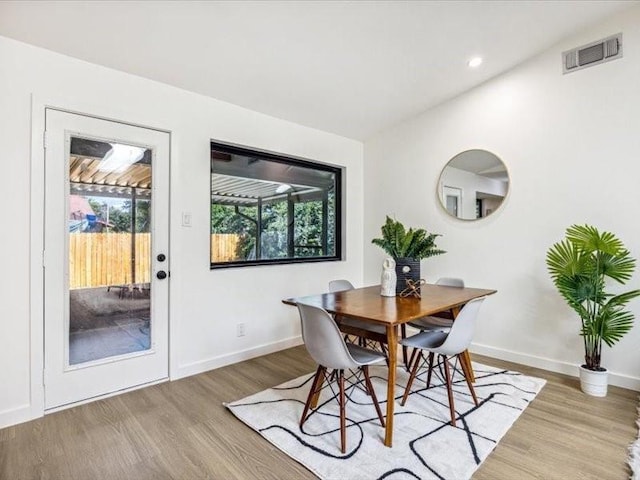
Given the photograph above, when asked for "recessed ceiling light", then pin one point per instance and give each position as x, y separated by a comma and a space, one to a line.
475, 62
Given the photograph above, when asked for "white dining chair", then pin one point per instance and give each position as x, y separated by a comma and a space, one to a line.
325, 344
438, 323
435, 322
363, 330
446, 345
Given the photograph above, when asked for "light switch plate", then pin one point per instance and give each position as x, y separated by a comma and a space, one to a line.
186, 219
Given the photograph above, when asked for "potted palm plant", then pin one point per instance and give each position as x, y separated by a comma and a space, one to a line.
580, 265
407, 247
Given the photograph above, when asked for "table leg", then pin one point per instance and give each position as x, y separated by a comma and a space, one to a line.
392, 344
465, 356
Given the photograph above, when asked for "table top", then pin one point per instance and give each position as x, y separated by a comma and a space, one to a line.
367, 303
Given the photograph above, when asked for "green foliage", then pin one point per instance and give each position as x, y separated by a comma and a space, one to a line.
307, 227
579, 266
274, 230
120, 214
402, 243
120, 219
143, 216
96, 205
243, 222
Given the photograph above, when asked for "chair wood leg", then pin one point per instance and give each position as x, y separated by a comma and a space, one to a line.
447, 374
414, 371
314, 393
403, 334
367, 379
316, 397
465, 357
385, 353
367, 390
465, 370
413, 356
431, 355
343, 417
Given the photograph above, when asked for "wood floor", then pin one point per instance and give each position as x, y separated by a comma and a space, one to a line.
180, 430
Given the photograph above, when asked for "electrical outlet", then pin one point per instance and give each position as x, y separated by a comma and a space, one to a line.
241, 330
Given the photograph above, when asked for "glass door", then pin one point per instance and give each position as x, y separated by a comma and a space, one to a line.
106, 264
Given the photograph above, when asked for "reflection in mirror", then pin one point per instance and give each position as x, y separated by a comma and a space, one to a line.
473, 184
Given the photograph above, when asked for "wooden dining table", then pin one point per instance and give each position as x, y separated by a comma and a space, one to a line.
392, 312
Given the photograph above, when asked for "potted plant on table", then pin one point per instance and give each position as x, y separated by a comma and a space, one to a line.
407, 247
579, 265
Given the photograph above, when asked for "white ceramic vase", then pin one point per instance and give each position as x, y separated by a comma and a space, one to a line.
389, 278
594, 383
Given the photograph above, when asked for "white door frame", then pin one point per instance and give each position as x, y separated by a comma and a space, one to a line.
457, 192
36, 246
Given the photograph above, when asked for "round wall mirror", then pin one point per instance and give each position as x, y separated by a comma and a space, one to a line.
473, 185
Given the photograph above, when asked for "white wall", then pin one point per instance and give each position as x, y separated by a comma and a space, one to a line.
204, 305
572, 146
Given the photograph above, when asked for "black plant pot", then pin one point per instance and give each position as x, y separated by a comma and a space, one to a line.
406, 269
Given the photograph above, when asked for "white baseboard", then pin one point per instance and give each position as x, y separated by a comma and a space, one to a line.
235, 357
15, 415
617, 379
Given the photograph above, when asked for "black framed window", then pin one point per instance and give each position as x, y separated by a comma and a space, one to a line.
268, 208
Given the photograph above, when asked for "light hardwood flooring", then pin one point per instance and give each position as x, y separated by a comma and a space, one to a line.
180, 430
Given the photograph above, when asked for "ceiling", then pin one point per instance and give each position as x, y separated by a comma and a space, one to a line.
350, 67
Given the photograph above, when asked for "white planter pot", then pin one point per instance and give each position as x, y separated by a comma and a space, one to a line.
594, 383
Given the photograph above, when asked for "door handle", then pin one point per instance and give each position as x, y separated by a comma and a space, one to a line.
161, 275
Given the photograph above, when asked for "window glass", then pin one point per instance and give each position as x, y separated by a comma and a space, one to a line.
268, 208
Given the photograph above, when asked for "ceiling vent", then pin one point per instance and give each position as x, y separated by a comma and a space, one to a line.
594, 53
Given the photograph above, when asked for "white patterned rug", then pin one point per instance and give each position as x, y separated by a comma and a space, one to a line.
425, 445
634, 453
